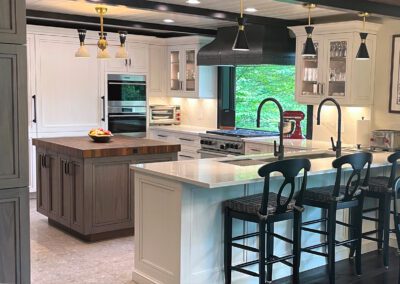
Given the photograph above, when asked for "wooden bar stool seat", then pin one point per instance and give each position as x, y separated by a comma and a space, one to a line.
266, 209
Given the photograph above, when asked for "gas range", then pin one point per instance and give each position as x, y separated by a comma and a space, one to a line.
228, 142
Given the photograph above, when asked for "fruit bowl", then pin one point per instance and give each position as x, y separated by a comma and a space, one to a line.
100, 135
101, 139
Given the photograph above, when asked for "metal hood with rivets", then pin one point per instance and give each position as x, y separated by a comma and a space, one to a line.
267, 44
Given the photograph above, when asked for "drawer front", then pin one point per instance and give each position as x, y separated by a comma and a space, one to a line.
188, 155
189, 140
163, 136
254, 148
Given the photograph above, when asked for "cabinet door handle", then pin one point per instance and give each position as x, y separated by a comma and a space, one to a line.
130, 61
185, 156
255, 150
180, 85
104, 108
42, 161
34, 120
186, 139
162, 136
70, 168
126, 62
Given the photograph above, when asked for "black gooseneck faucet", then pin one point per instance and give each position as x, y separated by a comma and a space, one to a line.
338, 147
278, 152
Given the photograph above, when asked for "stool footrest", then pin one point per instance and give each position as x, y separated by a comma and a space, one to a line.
315, 252
314, 231
245, 247
345, 224
246, 236
283, 259
282, 238
314, 222
372, 239
245, 271
317, 246
345, 243
370, 219
370, 209
370, 232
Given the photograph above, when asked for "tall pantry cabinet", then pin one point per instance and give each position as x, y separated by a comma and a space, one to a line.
14, 206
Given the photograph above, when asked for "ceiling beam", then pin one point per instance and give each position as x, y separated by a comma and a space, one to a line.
389, 8
195, 11
134, 27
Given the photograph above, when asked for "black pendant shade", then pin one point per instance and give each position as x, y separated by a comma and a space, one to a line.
362, 53
309, 48
82, 35
241, 43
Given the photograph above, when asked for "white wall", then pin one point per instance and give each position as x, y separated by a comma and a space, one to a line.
381, 118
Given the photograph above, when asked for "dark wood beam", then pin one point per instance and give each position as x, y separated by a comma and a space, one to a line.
93, 23
195, 11
389, 8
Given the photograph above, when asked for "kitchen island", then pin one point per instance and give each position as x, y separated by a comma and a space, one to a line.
178, 212
85, 188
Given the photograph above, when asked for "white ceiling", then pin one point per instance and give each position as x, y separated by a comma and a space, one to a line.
267, 8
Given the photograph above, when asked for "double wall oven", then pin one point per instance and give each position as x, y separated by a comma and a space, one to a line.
127, 111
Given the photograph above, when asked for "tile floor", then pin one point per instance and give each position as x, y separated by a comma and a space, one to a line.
58, 258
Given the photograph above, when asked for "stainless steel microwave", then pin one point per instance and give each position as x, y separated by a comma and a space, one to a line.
165, 115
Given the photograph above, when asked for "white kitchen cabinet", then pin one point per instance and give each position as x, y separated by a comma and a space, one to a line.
190, 143
137, 62
67, 88
185, 78
32, 99
335, 72
157, 76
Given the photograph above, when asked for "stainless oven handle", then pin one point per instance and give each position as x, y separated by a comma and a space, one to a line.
127, 115
134, 84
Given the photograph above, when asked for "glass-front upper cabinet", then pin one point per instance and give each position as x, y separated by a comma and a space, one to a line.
337, 68
311, 76
175, 84
190, 70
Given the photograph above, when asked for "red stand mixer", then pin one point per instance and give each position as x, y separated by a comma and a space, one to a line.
292, 120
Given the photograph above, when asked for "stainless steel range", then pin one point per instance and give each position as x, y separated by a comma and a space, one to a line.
223, 143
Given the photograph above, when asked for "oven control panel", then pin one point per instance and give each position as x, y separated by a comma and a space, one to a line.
227, 146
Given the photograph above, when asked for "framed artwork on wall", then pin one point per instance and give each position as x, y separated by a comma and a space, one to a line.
394, 100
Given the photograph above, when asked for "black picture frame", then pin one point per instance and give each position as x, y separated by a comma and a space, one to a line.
394, 92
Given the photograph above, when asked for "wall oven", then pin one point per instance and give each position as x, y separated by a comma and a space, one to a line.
127, 111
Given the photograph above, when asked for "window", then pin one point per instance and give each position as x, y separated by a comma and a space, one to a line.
257, 82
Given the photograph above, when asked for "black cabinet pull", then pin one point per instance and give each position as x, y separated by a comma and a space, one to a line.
34, 120
130, 61
186, 139
103, 98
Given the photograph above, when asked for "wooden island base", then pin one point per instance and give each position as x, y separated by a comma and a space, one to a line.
94, 237
84, 188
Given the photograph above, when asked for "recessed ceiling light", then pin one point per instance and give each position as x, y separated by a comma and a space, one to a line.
251, 10
194, 2
168, 21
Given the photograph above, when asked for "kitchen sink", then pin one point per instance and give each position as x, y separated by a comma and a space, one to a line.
254, 161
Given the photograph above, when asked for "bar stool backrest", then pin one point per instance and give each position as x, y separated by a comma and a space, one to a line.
290, 169
358, 161
393, 159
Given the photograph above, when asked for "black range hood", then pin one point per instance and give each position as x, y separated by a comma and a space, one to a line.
268, 45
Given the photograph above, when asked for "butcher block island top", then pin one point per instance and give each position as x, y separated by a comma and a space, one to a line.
84, 147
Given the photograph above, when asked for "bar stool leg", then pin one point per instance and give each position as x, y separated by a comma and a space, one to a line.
296, 246
351, 231
381, 216
331, 242
386, 228
358, 233
396, 222
228, 246
261, 263
270, 250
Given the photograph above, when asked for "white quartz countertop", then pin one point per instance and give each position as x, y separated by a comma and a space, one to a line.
295, 143
214, 173
186, 129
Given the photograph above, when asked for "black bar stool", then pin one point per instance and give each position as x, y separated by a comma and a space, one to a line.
383, 190
336, 197
265, 209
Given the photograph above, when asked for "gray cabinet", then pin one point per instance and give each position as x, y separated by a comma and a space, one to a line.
12, 21
90, 197
14, 236
14, 201
13, 117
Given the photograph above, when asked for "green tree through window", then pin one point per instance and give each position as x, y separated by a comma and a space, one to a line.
255, 83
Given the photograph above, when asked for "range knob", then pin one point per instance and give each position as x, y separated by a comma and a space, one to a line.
222, 147
202, 141
236, 146
209, 142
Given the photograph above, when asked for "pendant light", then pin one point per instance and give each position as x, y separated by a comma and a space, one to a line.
102, 43
240, 43
309, 48
82, 50
362, 53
